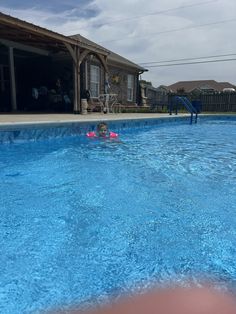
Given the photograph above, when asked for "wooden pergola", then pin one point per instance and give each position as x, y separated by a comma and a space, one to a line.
15, 33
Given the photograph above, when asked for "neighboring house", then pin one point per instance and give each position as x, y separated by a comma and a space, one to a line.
201, 87
46, 71
212, 95
162, 89
152, 96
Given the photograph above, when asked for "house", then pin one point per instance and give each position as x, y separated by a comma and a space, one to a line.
122, 77
41, 70
201, 87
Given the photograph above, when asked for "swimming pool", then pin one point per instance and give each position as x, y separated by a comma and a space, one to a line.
82, 219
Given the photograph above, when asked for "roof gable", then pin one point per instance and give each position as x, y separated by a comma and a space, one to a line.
112, 57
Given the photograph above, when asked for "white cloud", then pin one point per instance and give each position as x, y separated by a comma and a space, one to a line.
143, 39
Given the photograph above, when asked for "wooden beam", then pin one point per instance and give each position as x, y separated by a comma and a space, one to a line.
72, 52
83, 55
25, 26
19, 46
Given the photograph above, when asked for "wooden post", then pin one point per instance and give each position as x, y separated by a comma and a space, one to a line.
107, 88
78, 109
75, 54
77, 105
75, 88
86, 74
12, 80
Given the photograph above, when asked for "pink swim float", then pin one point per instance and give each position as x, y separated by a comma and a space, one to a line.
110, 135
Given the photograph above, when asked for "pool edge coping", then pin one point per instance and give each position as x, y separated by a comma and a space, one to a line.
8, 126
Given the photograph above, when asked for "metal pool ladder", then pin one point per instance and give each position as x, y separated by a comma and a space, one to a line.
188, 105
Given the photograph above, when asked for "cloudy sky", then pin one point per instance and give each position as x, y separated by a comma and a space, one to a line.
147, 32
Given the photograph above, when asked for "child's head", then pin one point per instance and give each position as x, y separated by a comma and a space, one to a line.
102, 129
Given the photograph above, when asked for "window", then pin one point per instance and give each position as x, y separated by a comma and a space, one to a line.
94, 80
130, 91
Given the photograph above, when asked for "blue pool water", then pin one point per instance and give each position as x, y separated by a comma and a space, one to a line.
82, 220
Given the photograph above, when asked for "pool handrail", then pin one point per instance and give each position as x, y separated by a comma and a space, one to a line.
188, 105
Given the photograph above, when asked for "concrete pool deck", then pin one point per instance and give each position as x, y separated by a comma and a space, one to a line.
19, 119
16, 119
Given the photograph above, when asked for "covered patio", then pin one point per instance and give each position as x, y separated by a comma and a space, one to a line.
32, 61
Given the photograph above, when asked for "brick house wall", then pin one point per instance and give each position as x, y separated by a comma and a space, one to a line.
117, 78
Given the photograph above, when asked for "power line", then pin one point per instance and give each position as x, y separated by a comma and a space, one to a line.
171, 30
160, 12
186, 63
186, 59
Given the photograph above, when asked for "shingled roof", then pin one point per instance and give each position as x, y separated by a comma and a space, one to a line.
189, 86
26, 33
112, 57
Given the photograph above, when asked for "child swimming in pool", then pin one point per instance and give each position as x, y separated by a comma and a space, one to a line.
102, 132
